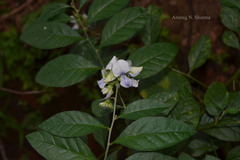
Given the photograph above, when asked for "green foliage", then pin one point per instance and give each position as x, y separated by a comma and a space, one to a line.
154, 58
71, 124
187, 109
152, 28
66, 148
102, 9
229, 17
234, 154
199, 53
154, 133
216, 98
170, 117
52, 11
144, 108
230, 39
49, 35
65, 71
184, 156
149, 155
123, 26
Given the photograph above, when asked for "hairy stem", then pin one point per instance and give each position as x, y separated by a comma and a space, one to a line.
190, 77
114, 117
85, 32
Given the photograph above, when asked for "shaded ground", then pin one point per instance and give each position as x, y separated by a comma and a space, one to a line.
184, 32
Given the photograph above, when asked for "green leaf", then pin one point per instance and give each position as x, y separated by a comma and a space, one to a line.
113, 155
184, 156
232, 3
153, 25
84, 49
216, 98
199, 147
187, 109
234, 154
71, 124
144, 108
150, 156
233, 106
228, 129
123, 26
154, 133
65, 71
164, 82
101, 9
53, 10
229, 18
62, 18
199, 53
210, 157
83, 2
153, 58
49, 35
101, 135
230, 39
168, 98
57, 148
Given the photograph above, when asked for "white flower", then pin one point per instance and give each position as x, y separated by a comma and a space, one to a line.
135, 71
110, 64
74, 22
127, 82
120, 67
115, 71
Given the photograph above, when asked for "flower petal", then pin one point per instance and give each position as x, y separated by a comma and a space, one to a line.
120, 67
135, 83
110, 64
101, 83
125, 81
110, 77
135, 71
109, 94
104, 73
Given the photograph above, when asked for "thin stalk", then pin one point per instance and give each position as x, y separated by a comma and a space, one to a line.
124, 106
114, 117
234, 77
85, 32
190, 77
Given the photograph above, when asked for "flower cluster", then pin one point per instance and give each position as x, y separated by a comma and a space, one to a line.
116, 71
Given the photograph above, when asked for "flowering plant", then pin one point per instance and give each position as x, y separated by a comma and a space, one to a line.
164, 117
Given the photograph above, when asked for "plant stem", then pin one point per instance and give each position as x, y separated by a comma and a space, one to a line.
86, 34
234, 77
114, 117
189, 76
124, 106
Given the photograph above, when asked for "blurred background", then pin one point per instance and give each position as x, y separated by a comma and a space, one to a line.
24, 103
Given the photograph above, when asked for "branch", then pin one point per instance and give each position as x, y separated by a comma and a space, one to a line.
16, 10
20, 92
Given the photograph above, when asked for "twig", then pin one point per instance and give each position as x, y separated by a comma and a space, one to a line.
20, 92
16, 10
234, 77
2, 150
189, 76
